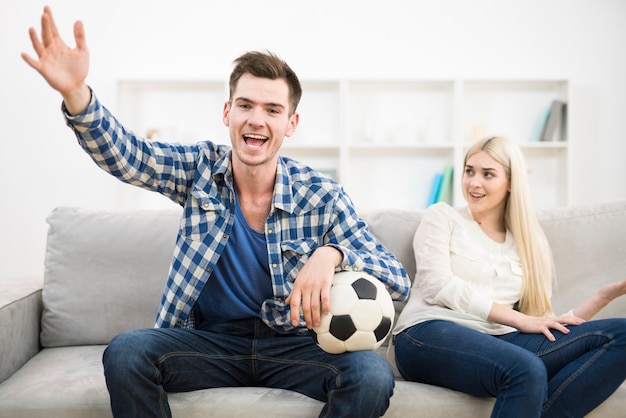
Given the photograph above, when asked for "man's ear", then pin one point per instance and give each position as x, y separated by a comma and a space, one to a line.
226, 114
293, 124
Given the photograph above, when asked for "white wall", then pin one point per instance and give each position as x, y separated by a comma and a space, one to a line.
42, 167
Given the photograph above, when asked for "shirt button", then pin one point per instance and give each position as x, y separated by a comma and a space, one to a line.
205, 205
270, 231
274, 265
346, 267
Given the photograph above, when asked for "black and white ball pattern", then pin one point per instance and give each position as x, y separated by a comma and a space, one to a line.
361, 314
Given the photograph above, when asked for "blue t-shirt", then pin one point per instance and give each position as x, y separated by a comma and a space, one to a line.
241, 280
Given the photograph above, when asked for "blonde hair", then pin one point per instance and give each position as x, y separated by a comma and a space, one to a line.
521, 220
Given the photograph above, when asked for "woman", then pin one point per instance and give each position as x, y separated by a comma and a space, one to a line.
479, 318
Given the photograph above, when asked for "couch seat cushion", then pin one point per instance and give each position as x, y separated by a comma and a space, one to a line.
68, 382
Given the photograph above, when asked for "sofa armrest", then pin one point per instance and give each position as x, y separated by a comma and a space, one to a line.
20, 316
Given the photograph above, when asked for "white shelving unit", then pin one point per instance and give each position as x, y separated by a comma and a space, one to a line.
384, 140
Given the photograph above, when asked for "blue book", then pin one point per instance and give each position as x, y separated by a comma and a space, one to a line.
445, 191
435, 188
541, 124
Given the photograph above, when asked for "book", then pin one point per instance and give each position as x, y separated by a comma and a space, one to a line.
562, 128
555, 121
445, 192
434, 189
541, 124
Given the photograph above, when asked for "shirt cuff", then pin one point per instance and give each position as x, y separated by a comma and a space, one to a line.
84, 120
350, 262
480, 306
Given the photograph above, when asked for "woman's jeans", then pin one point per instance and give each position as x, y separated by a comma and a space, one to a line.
141, 366
527, 374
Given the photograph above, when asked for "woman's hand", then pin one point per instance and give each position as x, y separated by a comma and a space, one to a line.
607, 293
532, 324
612, 291
545, 324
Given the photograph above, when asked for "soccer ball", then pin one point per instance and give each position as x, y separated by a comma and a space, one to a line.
361, 314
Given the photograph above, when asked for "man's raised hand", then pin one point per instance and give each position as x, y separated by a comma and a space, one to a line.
65, 69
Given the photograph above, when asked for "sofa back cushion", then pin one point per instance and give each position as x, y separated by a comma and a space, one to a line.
588, 243
104, 272
589, 247
395, 229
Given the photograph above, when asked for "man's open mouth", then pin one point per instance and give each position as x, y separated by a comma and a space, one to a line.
254, 140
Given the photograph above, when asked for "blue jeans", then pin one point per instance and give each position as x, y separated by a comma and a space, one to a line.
142, 365
527, 374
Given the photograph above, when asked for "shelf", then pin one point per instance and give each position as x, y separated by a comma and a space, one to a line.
400, 147
399, 111
289, 145
320, 122
510, 108
544, 145
384, 140
173, 110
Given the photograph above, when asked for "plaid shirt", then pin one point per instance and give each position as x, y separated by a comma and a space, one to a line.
308, 210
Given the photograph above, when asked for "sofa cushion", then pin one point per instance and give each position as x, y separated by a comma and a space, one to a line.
68, 382
589, 247
395, 228
104, 272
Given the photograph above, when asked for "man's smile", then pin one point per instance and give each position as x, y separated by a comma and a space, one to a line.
254, 140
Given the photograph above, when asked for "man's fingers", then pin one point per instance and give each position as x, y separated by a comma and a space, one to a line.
325, 299
311, 309
46, 32
294, 302
306, 309
30, 61
315, 310
34, 39
309, 304
79, 35
54, 32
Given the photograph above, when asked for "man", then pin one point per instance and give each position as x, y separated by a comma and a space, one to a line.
261, 237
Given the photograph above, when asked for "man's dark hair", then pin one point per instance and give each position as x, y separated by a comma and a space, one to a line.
266, 65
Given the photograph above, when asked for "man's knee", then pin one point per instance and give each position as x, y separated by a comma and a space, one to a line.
123, 352
374, 372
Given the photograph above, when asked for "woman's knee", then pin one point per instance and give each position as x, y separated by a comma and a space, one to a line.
527, 370
609, 332
618, 329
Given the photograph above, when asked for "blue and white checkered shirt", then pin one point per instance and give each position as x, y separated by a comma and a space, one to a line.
308, 210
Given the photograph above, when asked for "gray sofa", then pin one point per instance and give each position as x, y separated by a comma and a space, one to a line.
104, 273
